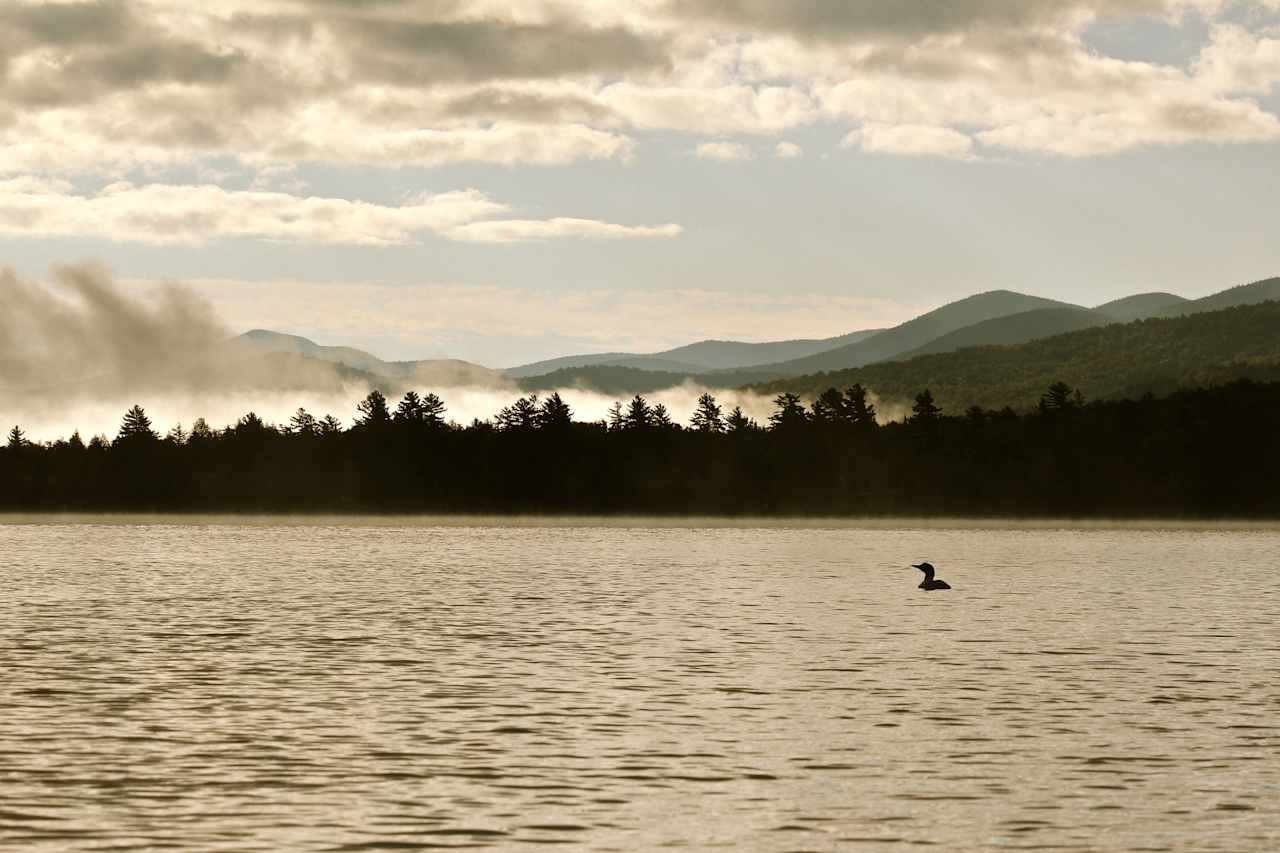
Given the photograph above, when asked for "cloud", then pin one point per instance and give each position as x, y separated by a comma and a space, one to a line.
405, 51
788, 151
911, 140
109, 87
195, 214
837, 20
724, 151
1237, 60
518, 230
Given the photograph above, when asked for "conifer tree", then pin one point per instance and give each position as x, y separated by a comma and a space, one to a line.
410, 409
17, 438
925, 411
523, 414
373, 412
433, 410
858, 410
639, 415
616, 418
136, 427
829, 407
303, 423
555, 413
706, 417
200, 432
790, 414
737, 422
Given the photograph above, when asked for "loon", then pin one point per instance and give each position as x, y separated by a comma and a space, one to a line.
929, 582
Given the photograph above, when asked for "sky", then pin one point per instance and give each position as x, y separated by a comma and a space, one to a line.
508, 181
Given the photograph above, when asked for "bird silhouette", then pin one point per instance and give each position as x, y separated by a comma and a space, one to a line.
929, 583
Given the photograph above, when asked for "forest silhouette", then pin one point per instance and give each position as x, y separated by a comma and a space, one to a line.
1210, 452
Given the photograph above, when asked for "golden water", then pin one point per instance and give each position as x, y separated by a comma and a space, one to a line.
406, 685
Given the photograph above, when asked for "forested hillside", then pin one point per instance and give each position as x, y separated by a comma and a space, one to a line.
1126, 360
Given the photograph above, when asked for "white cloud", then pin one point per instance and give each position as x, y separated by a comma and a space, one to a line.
518, 230
193, 215
1237, 60
107, 88
725, 151
911, 140
788, 151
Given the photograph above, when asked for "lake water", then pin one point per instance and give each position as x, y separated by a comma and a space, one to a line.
403, 686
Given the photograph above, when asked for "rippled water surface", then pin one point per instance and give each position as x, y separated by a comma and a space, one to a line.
343, 687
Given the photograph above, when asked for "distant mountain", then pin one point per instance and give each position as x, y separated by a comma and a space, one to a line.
443, 372
1245, 294
1117, 360
1141, 306
725, 355
607, 359
918, 332
627, 381
697, 357
1014, 329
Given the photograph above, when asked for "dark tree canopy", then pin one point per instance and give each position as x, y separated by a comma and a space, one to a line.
1216, 452
791, 413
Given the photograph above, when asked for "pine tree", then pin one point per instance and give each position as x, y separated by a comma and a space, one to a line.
616, 418
555, 413
252, 425
329, 425
136, 427
858, 411
433, 410
521, 415
924, 411
373, 412
76, 442
17, 438
706, 418
737, 422
303, 423
639, 415
410, 409
200, 432
661, 418
176, 435
829, 407
1060, 397
790, 414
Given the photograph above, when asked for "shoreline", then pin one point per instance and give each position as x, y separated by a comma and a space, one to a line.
492, 520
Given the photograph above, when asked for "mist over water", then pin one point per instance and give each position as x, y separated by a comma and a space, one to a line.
79, 350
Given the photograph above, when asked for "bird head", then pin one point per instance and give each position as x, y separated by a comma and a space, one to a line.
927, 568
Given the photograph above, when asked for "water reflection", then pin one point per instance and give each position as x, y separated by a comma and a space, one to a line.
337, 687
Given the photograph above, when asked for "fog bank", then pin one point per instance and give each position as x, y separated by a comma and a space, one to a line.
78, 350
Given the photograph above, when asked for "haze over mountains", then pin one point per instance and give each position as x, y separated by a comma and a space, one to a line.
997, 319
442, 372
698, 357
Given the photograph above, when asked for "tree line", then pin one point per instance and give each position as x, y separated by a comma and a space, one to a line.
1205, 453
